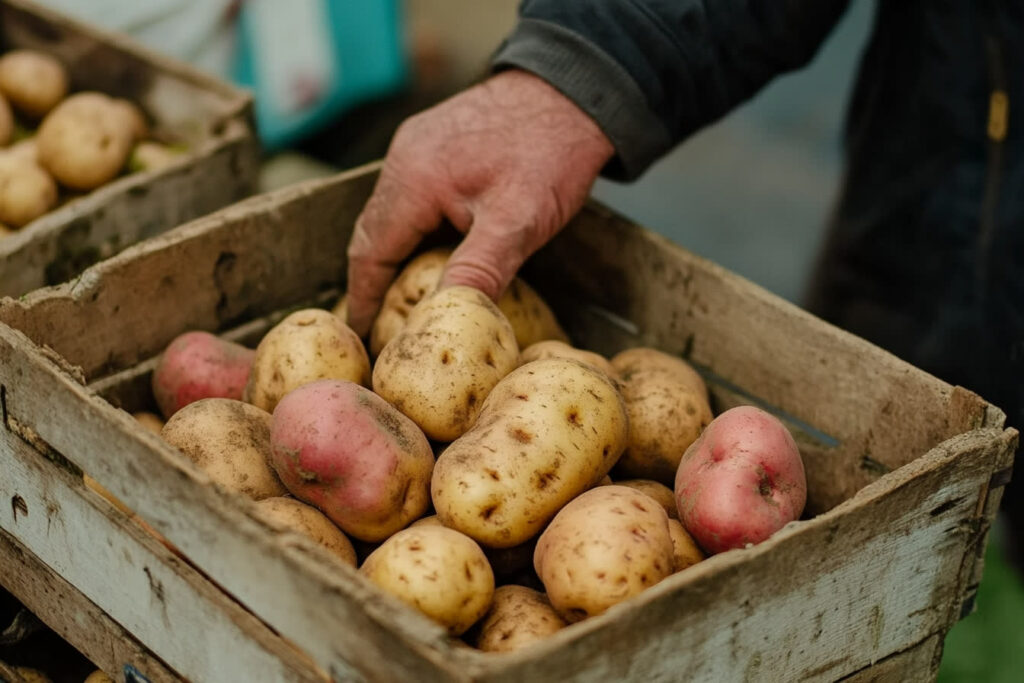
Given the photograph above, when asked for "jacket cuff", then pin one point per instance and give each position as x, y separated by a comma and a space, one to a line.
597, 84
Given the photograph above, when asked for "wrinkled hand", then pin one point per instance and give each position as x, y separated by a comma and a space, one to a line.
507, 162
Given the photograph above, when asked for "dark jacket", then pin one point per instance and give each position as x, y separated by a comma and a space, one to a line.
925, 255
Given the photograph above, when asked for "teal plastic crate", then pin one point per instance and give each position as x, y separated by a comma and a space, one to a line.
308, 61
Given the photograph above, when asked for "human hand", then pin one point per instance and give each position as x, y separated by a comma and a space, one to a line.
507, 162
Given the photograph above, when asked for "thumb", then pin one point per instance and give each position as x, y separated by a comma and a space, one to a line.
486, 259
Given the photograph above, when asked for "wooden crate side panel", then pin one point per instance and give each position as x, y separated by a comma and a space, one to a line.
74, 617
872, 412
245, 261
61, 244
919, 664
185, 620
820, 600
342, 622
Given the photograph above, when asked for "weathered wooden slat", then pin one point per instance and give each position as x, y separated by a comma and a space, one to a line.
74, 617
117, 566
919, 664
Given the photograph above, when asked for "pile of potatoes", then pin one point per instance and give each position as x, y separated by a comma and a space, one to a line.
472, 462
55, 145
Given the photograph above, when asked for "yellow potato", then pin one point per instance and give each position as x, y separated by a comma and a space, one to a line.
26, 149
518, 617
454, 348
84, 142
26, 191
664, 495
293, 515
134, 120
530, 317
152, 156
606, 546
549, 431
505, 562
308, 345
150, 421
99, 676
340, 309
437, 570
32, 675
230, 441
668, 409
552, 348
34, 82
685, 551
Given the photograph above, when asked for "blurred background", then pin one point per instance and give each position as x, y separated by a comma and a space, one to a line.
332, 80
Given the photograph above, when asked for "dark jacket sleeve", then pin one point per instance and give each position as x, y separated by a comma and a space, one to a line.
651, 72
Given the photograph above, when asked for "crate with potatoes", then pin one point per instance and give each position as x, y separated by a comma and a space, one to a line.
635, 465
103, 144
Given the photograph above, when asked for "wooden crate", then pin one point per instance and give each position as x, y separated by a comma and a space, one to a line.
212, 119
905, 475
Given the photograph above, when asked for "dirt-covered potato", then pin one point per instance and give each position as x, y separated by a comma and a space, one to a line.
197, 365
306, 346
84, 142
437, 570
6, 121
529, 315
518, 617
553, 348
342, 448
668, 409
506, 563
548, 432
605, 546
454, 348
664, 495
26, 191
230, 441
288, 514
685, 551
33, 81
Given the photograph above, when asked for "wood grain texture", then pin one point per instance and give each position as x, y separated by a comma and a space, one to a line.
905, 467
122, 570
212, 119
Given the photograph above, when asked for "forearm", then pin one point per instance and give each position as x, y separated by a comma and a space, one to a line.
651, 72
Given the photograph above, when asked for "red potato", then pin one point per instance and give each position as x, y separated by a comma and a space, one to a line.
199, 365
340, 447
741, 481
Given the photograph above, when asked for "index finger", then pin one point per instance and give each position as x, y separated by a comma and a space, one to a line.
392, 223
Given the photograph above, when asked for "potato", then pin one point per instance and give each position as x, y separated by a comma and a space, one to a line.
6, 121
342, 448
664, 495
26, 149
150, 421
741, 481
26, 191
230, 441
668, 408
198, 365
307, 346
553, 348
340, 309
85, 141
437, 570
530, 317
288, 514
31, 675
33, 81
518, 617
110, 497
605, 546
548, 432
152, 156
134, 120
506, 563
685, 551
454, 348
99, 676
